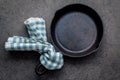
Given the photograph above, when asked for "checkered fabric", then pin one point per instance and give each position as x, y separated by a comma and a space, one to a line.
49, 58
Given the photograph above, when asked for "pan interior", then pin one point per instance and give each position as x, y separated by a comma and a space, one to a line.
75, 31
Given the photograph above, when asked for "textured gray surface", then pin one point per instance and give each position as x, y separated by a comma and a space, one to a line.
103, 65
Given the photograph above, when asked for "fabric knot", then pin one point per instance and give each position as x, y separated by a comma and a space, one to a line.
49, 58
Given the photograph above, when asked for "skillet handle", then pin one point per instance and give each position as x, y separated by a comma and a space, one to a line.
40, 70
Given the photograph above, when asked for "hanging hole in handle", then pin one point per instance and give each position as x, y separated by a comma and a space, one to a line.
40, 70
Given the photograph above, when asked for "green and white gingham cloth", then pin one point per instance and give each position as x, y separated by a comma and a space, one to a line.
49, 58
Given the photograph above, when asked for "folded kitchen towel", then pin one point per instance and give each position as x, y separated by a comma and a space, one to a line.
49, 58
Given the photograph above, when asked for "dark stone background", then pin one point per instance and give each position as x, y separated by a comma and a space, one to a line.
103, 65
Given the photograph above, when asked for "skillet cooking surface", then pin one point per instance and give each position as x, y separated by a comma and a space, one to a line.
74, 27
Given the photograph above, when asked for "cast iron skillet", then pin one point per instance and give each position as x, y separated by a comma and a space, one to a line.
76, 30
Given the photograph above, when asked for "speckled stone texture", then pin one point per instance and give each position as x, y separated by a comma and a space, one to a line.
102, 65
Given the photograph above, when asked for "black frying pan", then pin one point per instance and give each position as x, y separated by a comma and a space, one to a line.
76, 30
